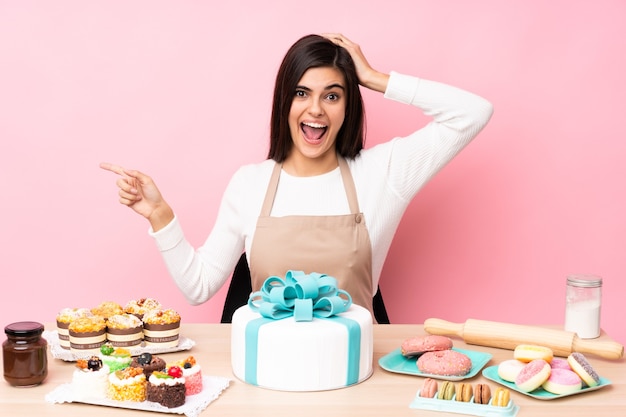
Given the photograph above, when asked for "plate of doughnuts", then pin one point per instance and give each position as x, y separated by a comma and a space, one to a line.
396, 362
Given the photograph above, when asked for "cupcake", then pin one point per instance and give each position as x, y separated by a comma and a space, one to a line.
193, 375
128, 384
87, 335
90, 379
64, 318
124, 330
107, 309
161, 328
116, 358
167, 388
141, 306
149, 363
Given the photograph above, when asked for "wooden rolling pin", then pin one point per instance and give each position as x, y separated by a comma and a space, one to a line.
508, 336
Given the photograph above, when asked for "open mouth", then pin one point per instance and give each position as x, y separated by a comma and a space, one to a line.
313, 132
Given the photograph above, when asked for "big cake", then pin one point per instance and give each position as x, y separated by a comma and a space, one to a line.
301, 334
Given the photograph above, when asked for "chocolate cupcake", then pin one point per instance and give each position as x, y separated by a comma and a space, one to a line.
149, 363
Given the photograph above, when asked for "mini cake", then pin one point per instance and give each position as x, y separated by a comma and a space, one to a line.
167, 388
141, 306
107, 309
124, 330
86, 335
149, 363
115, 358
90, 379
193, 375
64, 318
128, 384
161, 328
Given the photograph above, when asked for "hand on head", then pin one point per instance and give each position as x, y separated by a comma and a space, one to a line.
139, 192
368, 76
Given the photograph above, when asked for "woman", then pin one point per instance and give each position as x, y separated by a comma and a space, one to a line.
320, 202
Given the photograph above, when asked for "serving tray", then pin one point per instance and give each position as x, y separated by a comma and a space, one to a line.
52, 337
213, 386
398, 363
471, 408
540, 394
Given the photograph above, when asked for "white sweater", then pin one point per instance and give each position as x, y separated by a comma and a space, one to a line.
387, 176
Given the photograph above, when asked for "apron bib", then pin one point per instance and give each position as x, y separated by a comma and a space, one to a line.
338, 246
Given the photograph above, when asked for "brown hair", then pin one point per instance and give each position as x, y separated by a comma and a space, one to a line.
314, 51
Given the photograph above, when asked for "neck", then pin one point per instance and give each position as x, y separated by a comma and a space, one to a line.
308, 167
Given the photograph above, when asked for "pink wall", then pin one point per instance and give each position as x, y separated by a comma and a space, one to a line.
182, 90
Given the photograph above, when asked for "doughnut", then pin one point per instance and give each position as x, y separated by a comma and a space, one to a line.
585, 371
527, 353
417, 345
429, 389
464, 392
482, 394
562, 381
560, 363
501, 397
532, 375
509, 369
444, 362
446, 391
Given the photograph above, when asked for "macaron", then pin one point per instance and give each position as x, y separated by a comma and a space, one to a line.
464, 392
562, 381
444, 362
501, 397
583, 368
532, 375
429, 389
527, 353
482, 394
446, 391
509, 369
415, 346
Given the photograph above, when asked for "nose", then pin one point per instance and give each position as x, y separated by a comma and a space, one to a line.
315, 108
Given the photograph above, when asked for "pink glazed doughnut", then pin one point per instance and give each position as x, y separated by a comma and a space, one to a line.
533, 375
415, 346
560, 363
562, 381
444, 362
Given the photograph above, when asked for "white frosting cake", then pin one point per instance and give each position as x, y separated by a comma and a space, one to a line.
87, 384
320, 354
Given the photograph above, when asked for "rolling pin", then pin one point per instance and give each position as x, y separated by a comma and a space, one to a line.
508, 336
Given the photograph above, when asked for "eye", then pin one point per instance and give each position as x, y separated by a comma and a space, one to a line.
333, 97
300, 93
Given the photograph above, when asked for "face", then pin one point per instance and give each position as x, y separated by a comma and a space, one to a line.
316, 116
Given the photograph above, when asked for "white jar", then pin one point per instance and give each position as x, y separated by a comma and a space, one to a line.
583, 304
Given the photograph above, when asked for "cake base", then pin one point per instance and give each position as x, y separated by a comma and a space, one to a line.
312, 355
169, 396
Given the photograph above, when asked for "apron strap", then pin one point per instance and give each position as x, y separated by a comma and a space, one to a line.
346, 176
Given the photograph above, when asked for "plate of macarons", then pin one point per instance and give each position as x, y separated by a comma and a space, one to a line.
434, 356
535, 371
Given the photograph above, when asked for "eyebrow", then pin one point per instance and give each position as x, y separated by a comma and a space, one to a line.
328, 87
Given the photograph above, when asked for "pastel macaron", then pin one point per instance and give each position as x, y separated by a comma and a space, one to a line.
501, 397
562, 381
482, 394
509, 369
446, 391
533, 375
415, 346
444, 362
527, 353
429, 389
464, 392
583, 368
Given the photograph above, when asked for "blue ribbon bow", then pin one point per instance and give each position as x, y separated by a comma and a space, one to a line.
300, 295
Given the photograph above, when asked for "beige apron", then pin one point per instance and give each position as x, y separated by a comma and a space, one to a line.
338, 246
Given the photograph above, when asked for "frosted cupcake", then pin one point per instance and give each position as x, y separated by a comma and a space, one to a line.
64, 318
87, 335
90, 379
167, 388
124, 330
193, 375
142, 306
129, 384
116, 358
161, 328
